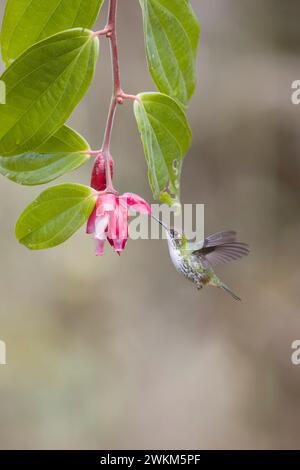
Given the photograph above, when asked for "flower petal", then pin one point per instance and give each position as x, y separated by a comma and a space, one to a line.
101, 226
91, 223
106, 203
137, 203
100, 247
117, 233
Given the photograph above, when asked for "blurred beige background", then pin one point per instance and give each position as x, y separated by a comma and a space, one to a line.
124, 353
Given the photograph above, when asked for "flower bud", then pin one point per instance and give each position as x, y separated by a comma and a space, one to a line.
98, 181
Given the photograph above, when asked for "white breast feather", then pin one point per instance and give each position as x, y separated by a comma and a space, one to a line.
175, 256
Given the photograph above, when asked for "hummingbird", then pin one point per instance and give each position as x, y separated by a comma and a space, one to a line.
197, 260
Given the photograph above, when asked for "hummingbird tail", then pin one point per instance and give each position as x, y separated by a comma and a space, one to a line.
226, 289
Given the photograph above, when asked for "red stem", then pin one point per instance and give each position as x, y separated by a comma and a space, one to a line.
112, 24
118, 97
117, 91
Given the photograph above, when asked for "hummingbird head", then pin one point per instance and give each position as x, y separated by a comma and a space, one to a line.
175, 238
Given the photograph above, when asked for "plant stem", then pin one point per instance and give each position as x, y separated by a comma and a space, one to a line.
112, 24
118, 97
117, 91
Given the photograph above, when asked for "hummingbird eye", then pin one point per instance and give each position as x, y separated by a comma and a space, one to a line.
174, 234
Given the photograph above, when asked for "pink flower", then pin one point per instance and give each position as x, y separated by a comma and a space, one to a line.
109, 220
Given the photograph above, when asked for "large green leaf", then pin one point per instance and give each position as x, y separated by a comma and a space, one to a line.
55, 215
166, 137
171, 36
64, 140
29, 21
63, 152
43, 87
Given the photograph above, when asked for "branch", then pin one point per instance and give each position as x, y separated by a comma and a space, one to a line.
118, 97
110, 32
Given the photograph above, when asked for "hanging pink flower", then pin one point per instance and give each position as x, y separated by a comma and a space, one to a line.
109, 220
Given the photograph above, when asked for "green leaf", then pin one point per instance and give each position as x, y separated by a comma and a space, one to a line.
171, 37
64, 140
55, 216
62, 153
43, 87
31, 169
26, 22
166, 137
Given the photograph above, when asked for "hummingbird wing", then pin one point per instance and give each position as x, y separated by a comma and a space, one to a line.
210, 256
220, 238
214, 240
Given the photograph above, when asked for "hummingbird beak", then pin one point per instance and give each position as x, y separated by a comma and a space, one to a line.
160, 222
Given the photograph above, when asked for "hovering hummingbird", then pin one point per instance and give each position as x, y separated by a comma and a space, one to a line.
196, 260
